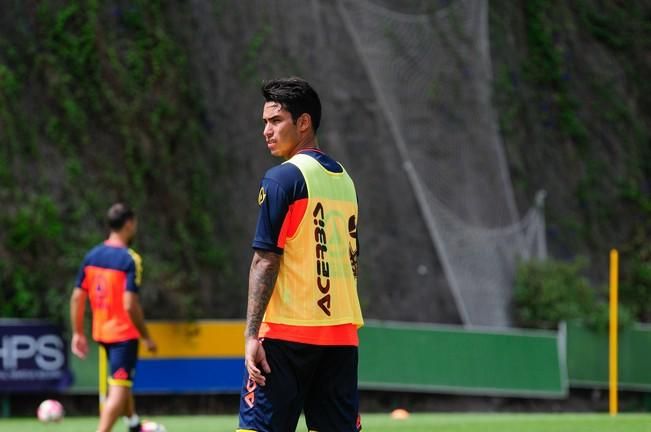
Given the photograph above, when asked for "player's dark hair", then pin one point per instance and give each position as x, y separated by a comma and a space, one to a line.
118, 215
296, 96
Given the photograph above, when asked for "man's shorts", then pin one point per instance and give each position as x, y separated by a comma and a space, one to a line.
319, 380
122, 358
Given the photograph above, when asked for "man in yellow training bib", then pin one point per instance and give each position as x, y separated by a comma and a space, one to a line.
303, 311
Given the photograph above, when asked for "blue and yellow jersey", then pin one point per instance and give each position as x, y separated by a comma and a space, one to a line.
107, 272
308, 214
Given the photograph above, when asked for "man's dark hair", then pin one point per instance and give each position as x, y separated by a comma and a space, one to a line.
296, 96
118, 215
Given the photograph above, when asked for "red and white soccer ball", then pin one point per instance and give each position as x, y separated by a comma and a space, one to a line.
150, 426
50, 411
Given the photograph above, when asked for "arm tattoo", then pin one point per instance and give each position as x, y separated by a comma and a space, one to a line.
262, 278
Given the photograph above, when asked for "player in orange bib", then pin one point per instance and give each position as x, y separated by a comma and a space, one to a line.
110, 277
303, 311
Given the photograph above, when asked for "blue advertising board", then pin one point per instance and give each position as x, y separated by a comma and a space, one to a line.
33, 357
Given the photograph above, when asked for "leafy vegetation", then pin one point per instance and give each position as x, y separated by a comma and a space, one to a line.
546, 67
96, 105
548, 292
636, 284
573, 102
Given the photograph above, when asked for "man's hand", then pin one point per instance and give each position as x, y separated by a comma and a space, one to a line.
254, 359
79, 345
150, 345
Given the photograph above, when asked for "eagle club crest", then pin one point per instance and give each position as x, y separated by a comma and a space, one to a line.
262, 195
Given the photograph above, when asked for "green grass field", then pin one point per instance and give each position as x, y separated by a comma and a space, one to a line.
382, 423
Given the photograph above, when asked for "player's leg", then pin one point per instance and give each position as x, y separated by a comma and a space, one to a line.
114, 407
277, 406
130, 417
131, 406
131, 359
122, 358
332, 404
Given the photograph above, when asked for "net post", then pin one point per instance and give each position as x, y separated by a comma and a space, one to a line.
612, 346
102, 373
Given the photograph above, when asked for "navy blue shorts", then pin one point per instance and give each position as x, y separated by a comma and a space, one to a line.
320, 381
122, 358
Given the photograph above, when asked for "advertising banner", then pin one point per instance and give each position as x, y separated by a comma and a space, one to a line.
33, 357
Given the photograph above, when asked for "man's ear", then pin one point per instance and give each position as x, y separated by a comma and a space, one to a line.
304, 122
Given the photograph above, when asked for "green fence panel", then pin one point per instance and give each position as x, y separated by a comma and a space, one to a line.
587, 357
399, 356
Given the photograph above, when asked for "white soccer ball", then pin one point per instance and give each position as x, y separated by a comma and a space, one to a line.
150, 426
50, 411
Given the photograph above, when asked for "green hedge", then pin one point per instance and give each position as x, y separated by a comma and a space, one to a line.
548, 292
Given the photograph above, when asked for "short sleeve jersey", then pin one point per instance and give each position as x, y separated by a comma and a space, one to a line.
107, 272
282, 200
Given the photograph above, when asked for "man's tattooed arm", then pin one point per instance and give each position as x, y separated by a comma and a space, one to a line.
262, 278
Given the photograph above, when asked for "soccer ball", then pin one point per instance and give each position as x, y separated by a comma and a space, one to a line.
50, 411
400, 414
150, 426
